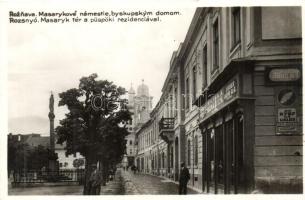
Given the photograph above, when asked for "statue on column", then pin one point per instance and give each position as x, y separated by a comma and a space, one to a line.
51, 103
51, 107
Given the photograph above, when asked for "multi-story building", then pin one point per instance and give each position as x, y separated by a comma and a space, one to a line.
139, 104
231, 105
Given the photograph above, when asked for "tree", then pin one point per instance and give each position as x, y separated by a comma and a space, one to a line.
94, 125
39, 157
17, 155
23, 157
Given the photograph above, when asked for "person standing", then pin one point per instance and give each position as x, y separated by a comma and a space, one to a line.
95, 181
184, 178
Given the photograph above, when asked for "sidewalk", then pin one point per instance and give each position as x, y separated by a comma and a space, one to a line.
114, 187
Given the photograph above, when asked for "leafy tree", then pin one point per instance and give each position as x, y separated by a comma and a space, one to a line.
98, 134
17, 155
39, 157
23, 157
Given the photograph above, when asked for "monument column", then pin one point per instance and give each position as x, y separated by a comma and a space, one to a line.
52, 163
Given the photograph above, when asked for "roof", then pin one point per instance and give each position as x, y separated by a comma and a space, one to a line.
36, 141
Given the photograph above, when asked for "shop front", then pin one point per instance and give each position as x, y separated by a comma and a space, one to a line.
227, 128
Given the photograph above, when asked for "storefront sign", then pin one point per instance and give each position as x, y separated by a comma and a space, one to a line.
287, 119
220, 99
287, 115
284, 75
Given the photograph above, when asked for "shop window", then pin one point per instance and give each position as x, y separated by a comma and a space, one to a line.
215, 46
196, 150
235, 26
188, 152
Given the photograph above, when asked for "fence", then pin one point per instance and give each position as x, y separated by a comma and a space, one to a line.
77, 175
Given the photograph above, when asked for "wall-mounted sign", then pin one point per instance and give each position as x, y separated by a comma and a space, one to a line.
287, 119
287, 115
220, 99
286, 97
283, 75
280, 75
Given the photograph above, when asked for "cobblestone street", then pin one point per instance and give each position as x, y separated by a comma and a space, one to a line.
147, 184
125, 183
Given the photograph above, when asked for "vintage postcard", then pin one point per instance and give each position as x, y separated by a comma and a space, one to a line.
195, 99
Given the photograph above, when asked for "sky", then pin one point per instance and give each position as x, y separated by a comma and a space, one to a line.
53, 57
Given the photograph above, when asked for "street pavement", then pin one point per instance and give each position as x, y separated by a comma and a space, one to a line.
148, 184
124, 183
52, 190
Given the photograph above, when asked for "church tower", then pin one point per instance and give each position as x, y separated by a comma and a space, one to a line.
140, 105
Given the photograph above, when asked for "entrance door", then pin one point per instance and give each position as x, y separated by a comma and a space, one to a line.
210, 157
234, 155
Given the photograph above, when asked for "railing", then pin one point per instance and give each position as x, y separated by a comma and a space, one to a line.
166, 123
77, 175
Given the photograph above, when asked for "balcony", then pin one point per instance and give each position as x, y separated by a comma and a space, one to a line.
166, 129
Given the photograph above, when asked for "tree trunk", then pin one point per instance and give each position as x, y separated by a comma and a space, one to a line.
88, 171
104, 172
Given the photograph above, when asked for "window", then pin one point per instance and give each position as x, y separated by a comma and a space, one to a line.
196, 150
176, 101
130, 142
236, 26
205, 65
188, 152
66, 164
130, 151
60, 164
194, 82
215, 46
187, 104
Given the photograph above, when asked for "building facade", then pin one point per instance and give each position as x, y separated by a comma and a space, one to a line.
231, 105
139, 104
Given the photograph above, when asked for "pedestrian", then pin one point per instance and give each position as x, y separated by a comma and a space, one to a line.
184, 178
95, 181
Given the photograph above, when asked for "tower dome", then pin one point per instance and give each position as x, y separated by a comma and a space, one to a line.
142, 89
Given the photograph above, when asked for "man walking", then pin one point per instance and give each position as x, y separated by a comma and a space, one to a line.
184, 178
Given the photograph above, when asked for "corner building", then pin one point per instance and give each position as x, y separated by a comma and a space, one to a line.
231, 105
